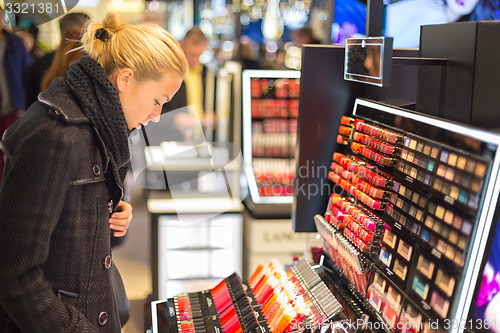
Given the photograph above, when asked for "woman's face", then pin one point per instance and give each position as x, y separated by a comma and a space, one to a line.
143, 101
462, 7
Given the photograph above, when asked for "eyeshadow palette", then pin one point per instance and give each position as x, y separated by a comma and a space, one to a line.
385, 298
447, 232
396, 255
459, 179
417, 161
411, 319
433, 285
406, 212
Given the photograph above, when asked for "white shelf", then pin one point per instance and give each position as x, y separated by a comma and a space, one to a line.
194, 205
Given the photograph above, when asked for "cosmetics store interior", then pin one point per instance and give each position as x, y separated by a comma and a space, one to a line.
398, 199
353, 188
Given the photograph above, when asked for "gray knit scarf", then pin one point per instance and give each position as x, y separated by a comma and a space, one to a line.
100, 103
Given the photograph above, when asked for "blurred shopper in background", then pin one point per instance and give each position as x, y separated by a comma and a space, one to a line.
71, 26
303, 36
250, 53
29, 36
14, 62
192, 90
63, 179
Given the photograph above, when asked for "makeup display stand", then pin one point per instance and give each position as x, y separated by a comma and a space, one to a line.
270, 108
406, 227
272, 300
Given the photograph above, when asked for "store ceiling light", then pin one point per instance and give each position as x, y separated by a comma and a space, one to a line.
154, 5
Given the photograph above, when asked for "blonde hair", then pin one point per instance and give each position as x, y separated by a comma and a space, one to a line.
147, 49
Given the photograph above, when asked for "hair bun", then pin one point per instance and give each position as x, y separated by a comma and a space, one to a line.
147, 49
113, 22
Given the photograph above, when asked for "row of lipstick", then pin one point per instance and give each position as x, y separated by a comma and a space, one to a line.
293, 296
274, 125
282, 88
263, 108
276, 145
189, 314
343, 253
226, 308
234, 310
370, 141
274, 301
364, 186
377, 132
364, 171
353, 190
345, 132
357, 225
373, 155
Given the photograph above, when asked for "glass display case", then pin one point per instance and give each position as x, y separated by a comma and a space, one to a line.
270, 108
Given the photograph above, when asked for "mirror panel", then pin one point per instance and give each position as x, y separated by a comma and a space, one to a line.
368, 60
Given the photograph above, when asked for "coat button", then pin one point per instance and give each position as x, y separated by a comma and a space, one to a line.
107, 262
96, 169
103, 318
110, 206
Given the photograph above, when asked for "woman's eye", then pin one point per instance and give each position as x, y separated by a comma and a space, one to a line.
156, 102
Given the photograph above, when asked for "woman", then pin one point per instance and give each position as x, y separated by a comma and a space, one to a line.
63, 179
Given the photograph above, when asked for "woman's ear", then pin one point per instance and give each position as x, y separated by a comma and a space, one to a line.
123, 79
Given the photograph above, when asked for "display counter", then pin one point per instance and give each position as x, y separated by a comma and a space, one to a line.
196, 225
408, 227
270, 108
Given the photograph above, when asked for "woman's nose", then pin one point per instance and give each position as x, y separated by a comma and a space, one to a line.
156, 119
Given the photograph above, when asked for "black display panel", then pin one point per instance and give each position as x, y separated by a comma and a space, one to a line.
324, 98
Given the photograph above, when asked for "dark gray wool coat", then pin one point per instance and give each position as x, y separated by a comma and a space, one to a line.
55, 259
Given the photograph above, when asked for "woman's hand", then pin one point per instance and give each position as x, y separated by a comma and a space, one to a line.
120, 219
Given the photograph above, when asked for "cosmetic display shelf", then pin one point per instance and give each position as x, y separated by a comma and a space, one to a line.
414, 200
194, 205
340, 281
271, 301
270, 108
361, 308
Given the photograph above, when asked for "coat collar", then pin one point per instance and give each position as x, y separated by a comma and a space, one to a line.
60, 99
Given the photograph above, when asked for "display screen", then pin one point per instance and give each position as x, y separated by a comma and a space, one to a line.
403, 18
349, 20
